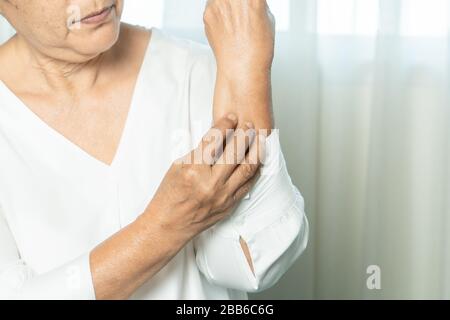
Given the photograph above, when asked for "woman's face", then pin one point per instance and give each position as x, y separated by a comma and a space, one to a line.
61, 29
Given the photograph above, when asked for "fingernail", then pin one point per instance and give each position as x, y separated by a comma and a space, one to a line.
232, 117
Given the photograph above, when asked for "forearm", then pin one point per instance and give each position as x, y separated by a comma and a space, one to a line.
124, 262
248, 94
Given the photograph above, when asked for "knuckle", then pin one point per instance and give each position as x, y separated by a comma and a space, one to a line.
247, 171
210, 10
219, 217
228, 123
224, 204
207, 137
206, 191
207, 15
223, 125
247, 189
224, 201
244, 190
190, 174
213, 135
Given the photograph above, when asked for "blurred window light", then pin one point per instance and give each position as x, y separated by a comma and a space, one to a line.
358, 17
425, 17
281, 9
187, 13
361, 17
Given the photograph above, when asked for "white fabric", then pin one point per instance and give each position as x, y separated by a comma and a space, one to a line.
58, 202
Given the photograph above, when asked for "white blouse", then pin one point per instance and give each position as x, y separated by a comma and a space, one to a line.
57, 202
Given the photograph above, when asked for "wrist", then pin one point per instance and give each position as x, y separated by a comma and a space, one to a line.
248, 73
248, 95
246, 86
155, 229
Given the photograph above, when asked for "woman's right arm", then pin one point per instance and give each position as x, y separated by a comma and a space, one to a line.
195, 194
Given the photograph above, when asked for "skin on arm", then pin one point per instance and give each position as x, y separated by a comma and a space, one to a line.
123, 263
247, 253
242, 34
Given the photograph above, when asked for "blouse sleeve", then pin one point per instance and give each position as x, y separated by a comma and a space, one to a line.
271, 220
18, 281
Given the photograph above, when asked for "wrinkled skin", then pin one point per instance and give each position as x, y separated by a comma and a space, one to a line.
44, 23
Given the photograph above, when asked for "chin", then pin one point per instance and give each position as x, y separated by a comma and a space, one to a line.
95, 42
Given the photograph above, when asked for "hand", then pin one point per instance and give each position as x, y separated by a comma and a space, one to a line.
241, 34
202, 188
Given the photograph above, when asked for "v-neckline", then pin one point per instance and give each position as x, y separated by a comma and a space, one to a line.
71, 144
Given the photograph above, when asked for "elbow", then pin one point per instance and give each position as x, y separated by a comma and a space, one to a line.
267, 277
273, 250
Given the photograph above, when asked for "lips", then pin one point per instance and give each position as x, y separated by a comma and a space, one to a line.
97, 16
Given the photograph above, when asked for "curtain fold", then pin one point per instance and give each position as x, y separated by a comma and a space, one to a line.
365, 124
365, 127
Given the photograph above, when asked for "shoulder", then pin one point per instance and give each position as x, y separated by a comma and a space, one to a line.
193, 61
132, 35
183, 67
172, 53
181, 45
192, 54
191, 66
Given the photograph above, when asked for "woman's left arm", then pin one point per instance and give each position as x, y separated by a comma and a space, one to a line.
242, 36
264, 236
268, 231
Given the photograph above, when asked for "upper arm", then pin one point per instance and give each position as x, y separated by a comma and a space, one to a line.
273, 223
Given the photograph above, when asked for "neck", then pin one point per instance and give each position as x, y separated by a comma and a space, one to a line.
55, 75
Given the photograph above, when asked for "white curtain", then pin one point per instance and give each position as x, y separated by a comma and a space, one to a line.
361, 90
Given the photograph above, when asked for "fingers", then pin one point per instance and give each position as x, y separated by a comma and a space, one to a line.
235, 152
234, 198
244, 189
212, 144
249, 168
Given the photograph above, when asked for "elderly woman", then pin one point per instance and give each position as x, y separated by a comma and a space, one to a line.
100, 197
